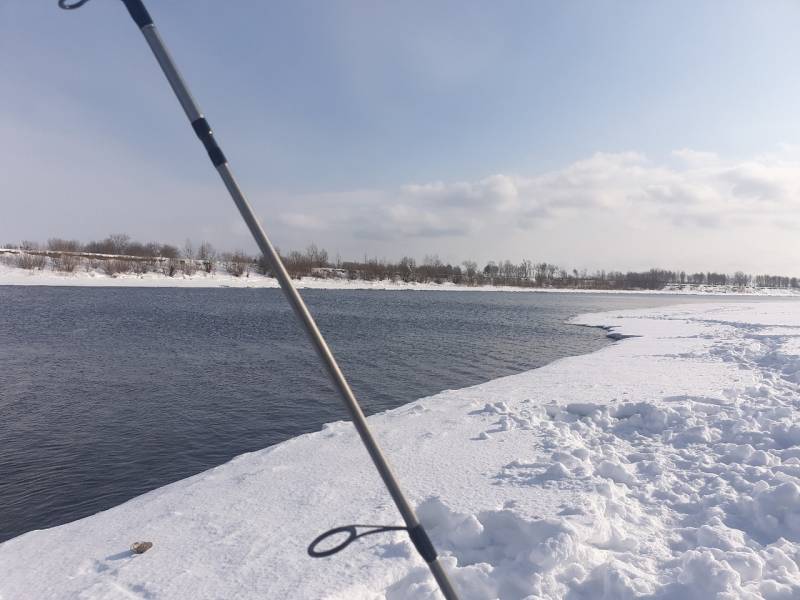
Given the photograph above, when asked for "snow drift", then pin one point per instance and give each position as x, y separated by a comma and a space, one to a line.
666, 466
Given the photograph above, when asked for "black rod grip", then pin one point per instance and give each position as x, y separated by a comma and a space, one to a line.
138, 12
422, 543
203, 131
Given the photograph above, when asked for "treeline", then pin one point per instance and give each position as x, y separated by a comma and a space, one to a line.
119, 253
527, 273
120, 244
113, 255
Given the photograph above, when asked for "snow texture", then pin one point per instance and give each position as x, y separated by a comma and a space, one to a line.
665, 466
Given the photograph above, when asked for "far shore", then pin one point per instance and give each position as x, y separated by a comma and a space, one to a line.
12, 276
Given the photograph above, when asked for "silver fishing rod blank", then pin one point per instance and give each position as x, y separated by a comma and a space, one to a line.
417, 533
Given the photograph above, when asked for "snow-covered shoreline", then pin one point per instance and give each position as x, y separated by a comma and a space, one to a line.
665, 466
22, 277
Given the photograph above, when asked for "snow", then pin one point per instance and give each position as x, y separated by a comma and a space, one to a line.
96, 278
665, 466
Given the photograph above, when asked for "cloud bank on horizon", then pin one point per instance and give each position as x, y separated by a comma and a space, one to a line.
611, 209
703, 191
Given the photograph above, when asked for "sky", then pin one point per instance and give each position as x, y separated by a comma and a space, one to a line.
615, 135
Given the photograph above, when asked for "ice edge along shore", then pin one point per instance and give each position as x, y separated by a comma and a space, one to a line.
665, 466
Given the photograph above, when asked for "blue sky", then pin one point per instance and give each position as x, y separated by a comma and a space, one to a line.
591, 134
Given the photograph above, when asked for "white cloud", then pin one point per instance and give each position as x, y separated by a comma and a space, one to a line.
696, 158
705, 192
304, 221
675, 204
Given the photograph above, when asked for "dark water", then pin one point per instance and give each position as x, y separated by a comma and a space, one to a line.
108, 393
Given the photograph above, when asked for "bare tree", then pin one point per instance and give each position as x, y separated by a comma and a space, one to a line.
317, 257
66, 263
29, 261
113, 267
59, 245
188, 265
297, 264
207, 254
236, 263
470, 270
119, 242
169, 267
741, 279
188, 249
169, 251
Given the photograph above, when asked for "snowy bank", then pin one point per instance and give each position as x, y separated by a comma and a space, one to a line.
97, 278
665, 466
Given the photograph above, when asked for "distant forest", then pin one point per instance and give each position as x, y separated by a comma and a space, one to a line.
119, 253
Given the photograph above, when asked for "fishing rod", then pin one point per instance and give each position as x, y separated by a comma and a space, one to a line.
416, 531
